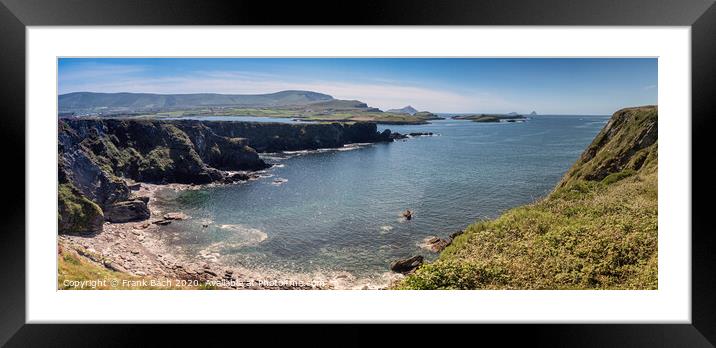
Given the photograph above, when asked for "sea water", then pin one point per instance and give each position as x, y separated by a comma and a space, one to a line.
338, 211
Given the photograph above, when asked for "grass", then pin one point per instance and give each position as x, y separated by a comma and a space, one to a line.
620, 145
348, 115
379, 117
586, 234
591, 235
74, 269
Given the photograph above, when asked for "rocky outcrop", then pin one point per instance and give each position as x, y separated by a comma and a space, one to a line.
97, 156
276, 137
435, 244
625, 145
155, 151
135, 210
406, 266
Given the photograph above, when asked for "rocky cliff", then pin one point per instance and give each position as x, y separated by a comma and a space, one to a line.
96, 156
275, 137
624, 146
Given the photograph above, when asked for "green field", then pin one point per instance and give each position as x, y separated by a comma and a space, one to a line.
323, 116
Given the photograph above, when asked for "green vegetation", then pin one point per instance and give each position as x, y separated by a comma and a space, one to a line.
330, 115
132, 102
489, 118
598, 233
614, 177
304, 105
76, 213
74, 268
377, 117
228, 111
628, 141
158, 159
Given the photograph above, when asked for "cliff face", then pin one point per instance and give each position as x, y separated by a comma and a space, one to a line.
95, 156
597, 230
275, 137
625, 145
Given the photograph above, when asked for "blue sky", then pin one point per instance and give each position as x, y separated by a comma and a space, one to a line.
594, 86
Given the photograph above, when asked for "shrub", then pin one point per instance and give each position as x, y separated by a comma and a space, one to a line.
614, 177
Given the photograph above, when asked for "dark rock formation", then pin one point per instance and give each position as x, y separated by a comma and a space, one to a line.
155, 151
96, 156
126, 211
435, 244
406, 266
276, 137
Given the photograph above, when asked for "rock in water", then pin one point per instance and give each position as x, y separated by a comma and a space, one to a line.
435, 244
175, 216
127, 211
408, 265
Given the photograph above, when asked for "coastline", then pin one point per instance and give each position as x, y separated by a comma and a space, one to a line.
136, 249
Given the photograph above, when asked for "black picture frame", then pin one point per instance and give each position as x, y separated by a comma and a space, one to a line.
16, 15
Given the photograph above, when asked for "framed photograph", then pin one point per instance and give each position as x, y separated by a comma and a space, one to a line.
422, 163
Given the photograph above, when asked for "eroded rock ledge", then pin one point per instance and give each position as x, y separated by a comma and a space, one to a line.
97, 158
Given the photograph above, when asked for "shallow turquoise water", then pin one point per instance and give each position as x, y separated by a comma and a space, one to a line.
338, 210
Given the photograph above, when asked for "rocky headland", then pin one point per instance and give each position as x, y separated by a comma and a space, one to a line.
109, 170
100, 161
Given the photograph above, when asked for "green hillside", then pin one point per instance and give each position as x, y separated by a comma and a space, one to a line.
597, 230
87, 101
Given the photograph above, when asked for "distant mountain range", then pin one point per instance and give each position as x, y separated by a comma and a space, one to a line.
90, 101
406, 110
